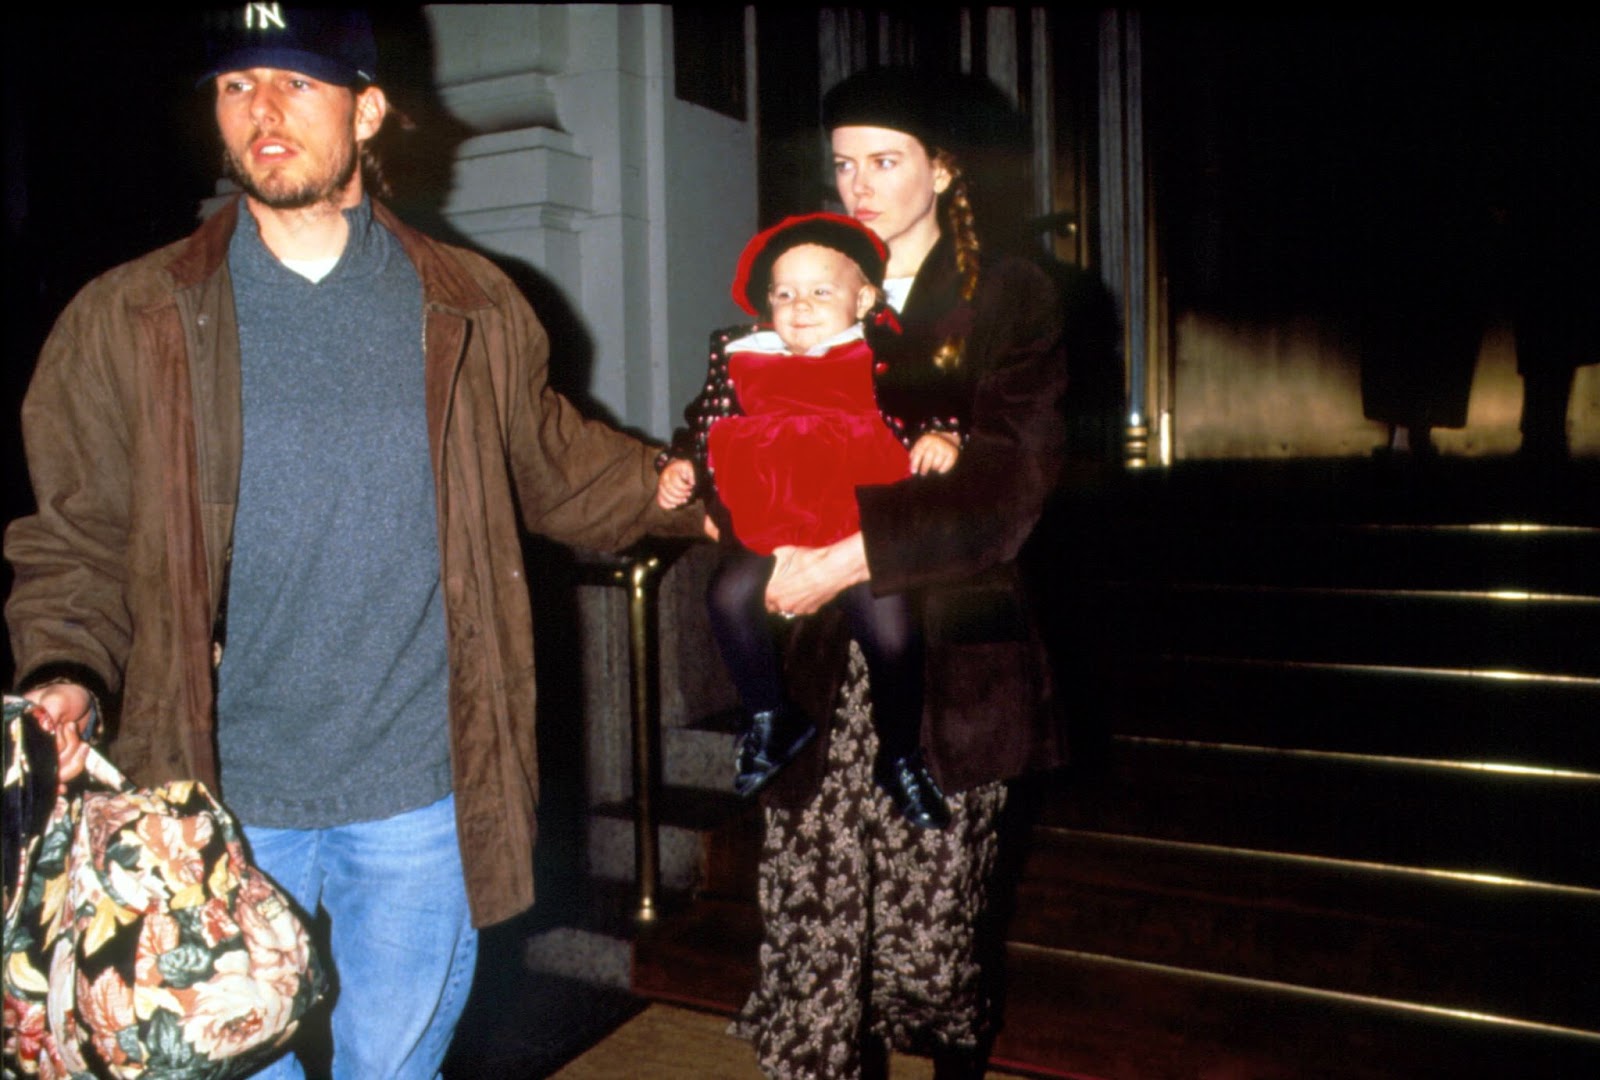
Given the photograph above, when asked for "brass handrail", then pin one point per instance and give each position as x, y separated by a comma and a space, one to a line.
639, 569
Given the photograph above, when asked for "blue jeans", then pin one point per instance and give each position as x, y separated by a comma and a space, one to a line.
402, 939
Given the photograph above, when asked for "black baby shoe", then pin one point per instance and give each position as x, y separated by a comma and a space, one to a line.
772, 740
912, 790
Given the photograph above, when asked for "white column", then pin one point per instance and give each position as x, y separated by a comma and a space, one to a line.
586, 167
522, 188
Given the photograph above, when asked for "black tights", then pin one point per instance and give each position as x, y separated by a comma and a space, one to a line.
883, 626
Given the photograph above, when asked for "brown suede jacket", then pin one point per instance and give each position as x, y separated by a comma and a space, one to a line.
133, 434
990, 709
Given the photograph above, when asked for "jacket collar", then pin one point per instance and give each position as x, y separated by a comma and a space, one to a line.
206, 249
444, 280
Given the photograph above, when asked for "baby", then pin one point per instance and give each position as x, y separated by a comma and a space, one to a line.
787, 427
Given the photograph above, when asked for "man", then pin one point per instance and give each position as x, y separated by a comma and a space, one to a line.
314, 429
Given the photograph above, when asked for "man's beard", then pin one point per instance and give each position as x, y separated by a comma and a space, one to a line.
310, 191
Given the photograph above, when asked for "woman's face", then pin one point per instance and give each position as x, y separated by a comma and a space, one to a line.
888, 183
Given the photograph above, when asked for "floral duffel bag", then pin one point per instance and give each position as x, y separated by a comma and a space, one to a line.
139, 941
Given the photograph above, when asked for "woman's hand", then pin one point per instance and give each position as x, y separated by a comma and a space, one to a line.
675, 484
935, 452
804, 579
67, 710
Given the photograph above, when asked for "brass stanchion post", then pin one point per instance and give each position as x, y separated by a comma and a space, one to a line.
639, 570
642, 572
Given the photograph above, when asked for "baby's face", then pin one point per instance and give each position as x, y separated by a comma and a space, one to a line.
816, 292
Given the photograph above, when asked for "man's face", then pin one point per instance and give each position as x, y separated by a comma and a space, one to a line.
816, 292
291, 141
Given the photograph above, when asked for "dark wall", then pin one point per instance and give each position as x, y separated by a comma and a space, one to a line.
1386, 194
1306, 163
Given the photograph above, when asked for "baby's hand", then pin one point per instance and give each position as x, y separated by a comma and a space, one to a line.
935, 452
675, 484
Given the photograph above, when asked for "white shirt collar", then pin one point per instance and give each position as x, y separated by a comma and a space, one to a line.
768, 341
897, 289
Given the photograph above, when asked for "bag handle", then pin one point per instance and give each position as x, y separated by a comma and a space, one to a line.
105, 773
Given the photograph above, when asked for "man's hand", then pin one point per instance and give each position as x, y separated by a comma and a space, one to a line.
67, 709
935, 452
675, 484
804, 579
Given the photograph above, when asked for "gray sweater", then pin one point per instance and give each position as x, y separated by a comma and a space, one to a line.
331, 701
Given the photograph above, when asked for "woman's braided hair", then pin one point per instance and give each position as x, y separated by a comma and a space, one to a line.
964, 234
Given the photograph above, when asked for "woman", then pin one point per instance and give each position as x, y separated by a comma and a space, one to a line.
874, 929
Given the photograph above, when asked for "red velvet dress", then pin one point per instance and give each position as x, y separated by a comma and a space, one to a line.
811, 433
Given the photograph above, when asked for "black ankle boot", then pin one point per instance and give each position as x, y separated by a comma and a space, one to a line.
772, 740
912, 790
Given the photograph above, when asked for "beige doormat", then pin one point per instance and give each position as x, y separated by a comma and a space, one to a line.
666, 1042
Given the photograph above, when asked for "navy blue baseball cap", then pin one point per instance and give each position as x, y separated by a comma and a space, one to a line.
333, 45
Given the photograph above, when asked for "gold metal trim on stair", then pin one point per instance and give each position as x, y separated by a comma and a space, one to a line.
1519, 596
1498, 674
1469, 876
1487, 526
1313, 992
1542, 772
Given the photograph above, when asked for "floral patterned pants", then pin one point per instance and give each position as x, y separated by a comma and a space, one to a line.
872, 925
